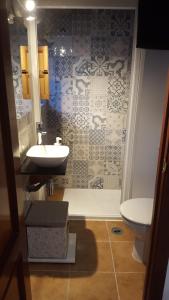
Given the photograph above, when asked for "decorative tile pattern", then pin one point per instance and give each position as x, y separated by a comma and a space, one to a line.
112, 181
79, 182
111, 169
121, 23
53, 25
104, 66
95, 167
81, 45
99, 85
100, 46
82, 67
81, 24
80, 121
66, 105
97, 152
98, 121
63, 181
97, 137
64, 66
113, 153
81, 138
81, 86
81, 152
96, 183
80, 167
98, 103
120, 47
89, 69
101, 22
65, 86
118, 90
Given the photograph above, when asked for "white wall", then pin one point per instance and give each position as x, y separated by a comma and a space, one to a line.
149, 121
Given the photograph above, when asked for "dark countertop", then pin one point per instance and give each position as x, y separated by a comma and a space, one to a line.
29, 168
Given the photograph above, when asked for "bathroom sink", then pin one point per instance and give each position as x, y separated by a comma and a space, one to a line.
48, 155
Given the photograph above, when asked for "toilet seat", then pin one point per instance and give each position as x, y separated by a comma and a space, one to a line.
138, 210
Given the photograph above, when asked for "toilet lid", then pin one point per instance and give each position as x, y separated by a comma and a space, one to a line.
138, 210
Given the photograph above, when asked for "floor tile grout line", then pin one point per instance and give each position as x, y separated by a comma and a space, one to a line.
97, 241
121, 241
68, 285
102, 241
84, 271
118, 295
104, 219
78, 271
130, 272
90, 272
68, 289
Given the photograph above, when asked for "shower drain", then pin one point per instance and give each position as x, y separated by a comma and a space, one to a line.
117, 230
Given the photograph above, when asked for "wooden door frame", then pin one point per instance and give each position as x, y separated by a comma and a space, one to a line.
159, 250
159, 247
5, 83
11, 263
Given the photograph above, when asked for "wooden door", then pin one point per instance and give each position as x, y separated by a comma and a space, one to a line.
14, 275
159, 250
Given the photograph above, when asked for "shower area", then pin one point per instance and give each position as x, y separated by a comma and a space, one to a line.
89, 57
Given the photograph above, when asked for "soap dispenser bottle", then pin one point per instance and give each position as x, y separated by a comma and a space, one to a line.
58, 141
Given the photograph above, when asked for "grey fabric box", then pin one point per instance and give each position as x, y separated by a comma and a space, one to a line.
47, 230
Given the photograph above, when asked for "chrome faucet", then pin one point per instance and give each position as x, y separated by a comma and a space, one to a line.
40, 133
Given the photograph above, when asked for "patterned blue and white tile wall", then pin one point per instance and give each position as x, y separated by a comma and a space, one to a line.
89, 69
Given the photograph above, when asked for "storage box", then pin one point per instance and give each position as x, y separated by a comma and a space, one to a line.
47, 230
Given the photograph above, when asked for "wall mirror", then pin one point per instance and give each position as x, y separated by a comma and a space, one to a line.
20, 72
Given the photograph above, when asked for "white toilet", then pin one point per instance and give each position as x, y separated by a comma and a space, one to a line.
137, 214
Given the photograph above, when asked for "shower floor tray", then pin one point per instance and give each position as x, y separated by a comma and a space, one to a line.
92, 203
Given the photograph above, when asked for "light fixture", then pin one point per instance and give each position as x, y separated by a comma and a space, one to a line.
30, 5
11, 19
62, 51
30, 18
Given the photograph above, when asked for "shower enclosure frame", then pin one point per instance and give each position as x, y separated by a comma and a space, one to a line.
137, 69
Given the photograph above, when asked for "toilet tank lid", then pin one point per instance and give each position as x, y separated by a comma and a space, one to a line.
138, 210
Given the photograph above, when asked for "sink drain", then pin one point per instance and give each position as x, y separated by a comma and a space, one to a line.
117, 230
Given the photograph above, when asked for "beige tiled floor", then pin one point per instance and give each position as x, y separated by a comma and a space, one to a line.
104, 269
49, 287
98, 286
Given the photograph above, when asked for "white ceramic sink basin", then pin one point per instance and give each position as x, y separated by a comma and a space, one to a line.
48, 155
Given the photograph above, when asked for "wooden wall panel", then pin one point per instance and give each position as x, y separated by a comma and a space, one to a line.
24, 58
43, 72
